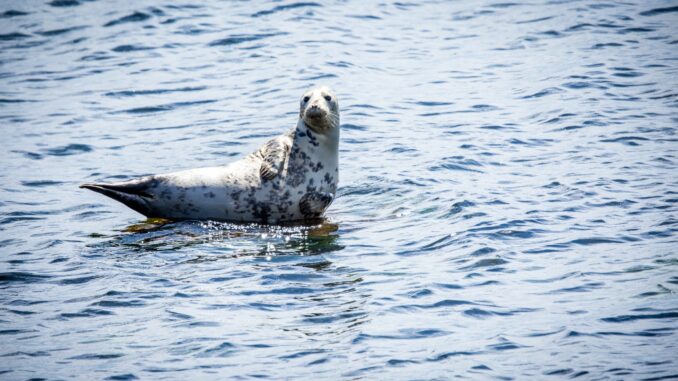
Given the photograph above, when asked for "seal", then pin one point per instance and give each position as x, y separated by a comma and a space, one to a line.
292, 177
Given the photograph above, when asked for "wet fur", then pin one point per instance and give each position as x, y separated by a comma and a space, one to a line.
292, 177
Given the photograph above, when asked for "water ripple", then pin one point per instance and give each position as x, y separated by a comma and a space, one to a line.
134, 17
285, 7
240, 38
507, 190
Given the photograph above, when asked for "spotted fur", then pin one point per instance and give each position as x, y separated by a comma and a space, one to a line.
291, 177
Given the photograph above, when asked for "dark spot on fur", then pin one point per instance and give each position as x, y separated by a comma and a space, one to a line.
312, 139
317, 167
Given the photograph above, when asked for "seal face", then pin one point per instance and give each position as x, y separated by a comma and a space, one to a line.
291, 177
320, 109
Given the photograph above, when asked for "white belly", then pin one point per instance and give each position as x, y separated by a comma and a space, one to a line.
237, 193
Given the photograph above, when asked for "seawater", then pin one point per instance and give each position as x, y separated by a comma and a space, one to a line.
506, 209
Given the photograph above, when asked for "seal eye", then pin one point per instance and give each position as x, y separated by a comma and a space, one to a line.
306, 99
328, 98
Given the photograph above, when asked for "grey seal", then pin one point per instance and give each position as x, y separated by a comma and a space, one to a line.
292, 177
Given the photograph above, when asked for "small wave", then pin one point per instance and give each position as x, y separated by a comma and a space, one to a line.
119, 303
86, 313
122, 377
57, 32
222, 350
607, 45
354, 127
627, 318
458, 163
626, 140
134, 17
440, 304
165, 107
543, 93
22, 277
41, 183
578, 85
79, 280
582, 288
130, 48
458, 207
96, 56
659, 11
11, 220
133, 93
64, 3
659, 332
594, 241
12, 13
10, 242
447, 355
433, 246
14, 331
96, 356
433, 103
285, 7
540, 19
351, 317
636, 30
241, 38
29, 354
342, 64
320, 76
71, 149
487, 262
399, 362
364, 17
5, 100
404, 334
13, 36
483, 251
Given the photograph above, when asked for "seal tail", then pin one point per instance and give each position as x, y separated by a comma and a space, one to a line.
131, 193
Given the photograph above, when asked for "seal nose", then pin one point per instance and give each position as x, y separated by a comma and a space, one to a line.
314, 111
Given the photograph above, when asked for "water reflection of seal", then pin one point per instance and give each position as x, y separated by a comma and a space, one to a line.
290, 178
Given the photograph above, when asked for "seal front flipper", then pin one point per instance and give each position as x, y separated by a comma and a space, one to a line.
267, 172
313, 204
136, 194
273, 156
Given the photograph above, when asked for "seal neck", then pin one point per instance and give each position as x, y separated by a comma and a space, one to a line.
307, 136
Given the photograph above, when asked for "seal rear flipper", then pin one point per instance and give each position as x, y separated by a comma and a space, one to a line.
134, 193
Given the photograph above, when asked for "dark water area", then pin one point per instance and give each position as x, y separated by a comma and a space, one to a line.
507, 206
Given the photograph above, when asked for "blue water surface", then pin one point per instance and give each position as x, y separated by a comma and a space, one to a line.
507, 205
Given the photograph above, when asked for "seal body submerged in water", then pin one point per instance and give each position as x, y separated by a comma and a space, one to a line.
292, 177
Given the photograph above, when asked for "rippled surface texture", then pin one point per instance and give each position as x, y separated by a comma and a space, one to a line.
506, 209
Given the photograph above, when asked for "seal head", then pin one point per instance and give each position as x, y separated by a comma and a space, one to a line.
319, 109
